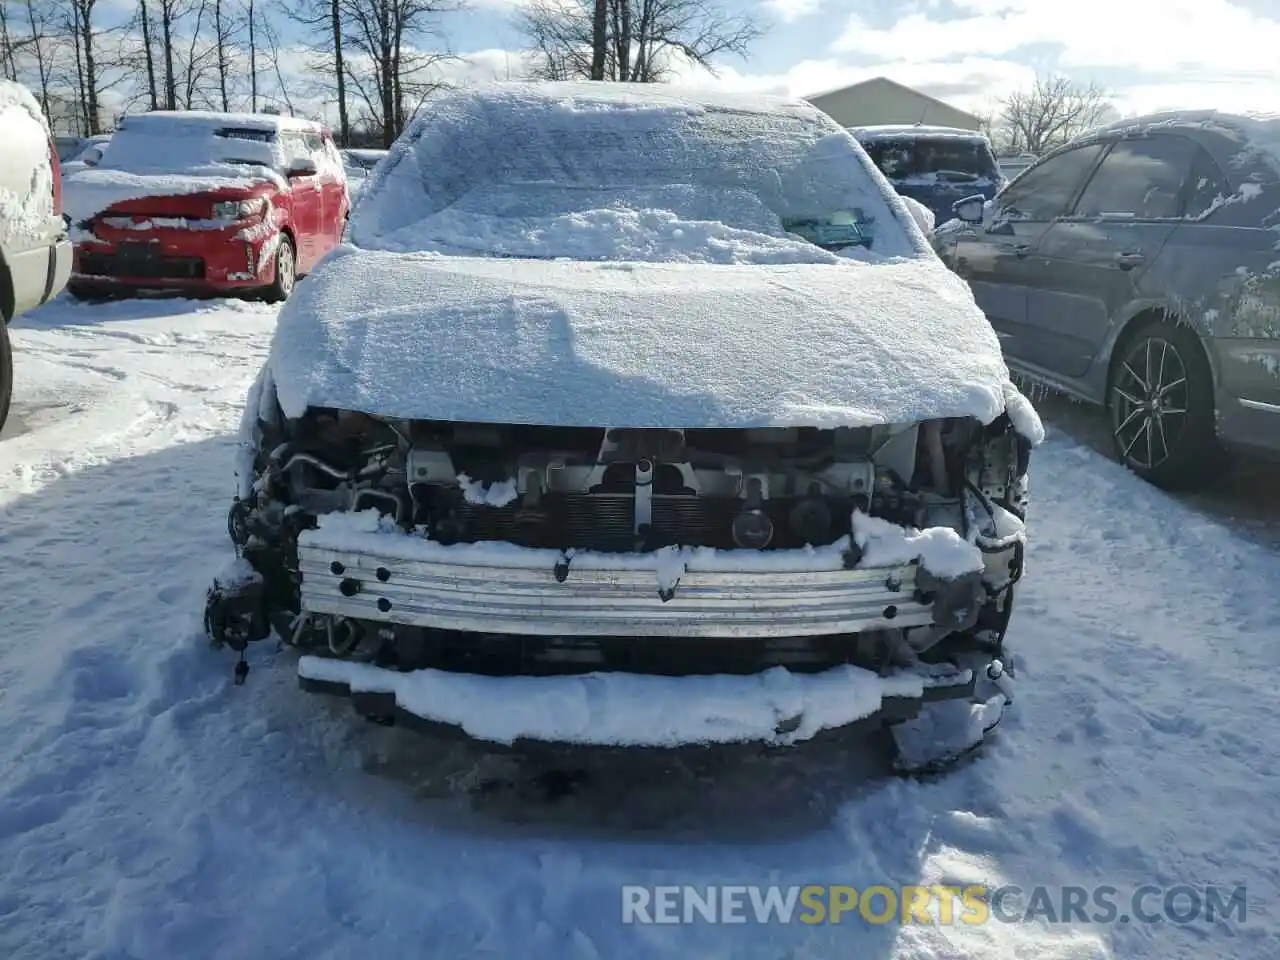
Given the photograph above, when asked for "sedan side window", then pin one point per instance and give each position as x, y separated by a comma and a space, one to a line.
1044, 192
1142, 179
1207, 185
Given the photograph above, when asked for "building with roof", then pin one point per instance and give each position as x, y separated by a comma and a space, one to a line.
884, 101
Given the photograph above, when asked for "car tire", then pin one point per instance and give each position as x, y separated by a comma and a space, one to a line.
1161, 408
286, 272
6, 372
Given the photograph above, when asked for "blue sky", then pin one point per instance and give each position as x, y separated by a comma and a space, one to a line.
1150, 53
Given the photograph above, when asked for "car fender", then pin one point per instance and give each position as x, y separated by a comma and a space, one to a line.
1136, 313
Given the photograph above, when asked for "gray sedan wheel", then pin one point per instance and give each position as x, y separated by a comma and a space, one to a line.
1160, 399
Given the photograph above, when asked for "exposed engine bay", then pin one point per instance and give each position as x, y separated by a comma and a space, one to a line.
626, 490
623, 492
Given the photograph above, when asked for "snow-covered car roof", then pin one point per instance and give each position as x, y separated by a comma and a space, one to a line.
1258, 133
213, 120
651, 282
895, 130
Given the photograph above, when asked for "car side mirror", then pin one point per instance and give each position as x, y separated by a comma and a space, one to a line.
970, 209
302, 167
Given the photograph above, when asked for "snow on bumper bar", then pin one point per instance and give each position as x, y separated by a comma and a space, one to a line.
630, 710
501, 589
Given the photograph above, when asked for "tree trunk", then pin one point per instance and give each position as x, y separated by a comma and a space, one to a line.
170, 81
388, 104
222, 53
42, 65
90, 72
8, 66
253, 65
624, 40
340, 74
150, 55
599, 38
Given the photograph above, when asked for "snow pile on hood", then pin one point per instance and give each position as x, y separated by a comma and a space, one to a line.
163, 154
25, 214
422, 336
677, 224
793, 160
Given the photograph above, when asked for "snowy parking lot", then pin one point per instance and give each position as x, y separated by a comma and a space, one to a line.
149, 808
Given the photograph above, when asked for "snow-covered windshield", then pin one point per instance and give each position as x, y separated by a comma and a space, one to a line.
155, 147
635, 175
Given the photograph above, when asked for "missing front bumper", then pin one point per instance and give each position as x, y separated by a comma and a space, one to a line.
774, 707
422, 584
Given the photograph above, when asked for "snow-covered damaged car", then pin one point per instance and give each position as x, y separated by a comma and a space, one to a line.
635, 417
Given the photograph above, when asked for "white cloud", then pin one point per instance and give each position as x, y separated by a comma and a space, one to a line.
1152, 54
1150, 35
789, 11
972, 83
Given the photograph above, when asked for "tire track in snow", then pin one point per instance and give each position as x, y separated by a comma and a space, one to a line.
142, 389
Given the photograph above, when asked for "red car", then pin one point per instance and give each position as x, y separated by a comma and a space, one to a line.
206, 203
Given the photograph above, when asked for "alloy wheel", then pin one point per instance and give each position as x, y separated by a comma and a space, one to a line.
285, 268
1149, 403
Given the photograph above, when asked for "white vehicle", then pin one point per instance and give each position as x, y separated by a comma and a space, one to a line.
639, 417
35, 254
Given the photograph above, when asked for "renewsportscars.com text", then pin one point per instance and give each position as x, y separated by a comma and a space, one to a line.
930, 905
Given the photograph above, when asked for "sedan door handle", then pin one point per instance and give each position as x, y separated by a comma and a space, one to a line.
1021, 250
1130, 259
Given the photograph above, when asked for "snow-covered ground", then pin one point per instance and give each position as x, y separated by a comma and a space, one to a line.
148, 808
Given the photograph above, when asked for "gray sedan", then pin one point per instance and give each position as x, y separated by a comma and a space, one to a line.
1138, 268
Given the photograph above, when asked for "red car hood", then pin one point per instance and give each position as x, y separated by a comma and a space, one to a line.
87, 193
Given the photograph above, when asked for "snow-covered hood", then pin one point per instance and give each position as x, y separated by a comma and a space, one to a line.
571, 343
91, 190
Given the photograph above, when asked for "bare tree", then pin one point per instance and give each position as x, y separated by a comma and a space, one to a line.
641, 38
273, 56
196, 62
144, 17
224, 30
253, 57
387, 68
170, 10
41, 48
339, 70
1053, 111
323, 20
599, 38
85, 38
8, 46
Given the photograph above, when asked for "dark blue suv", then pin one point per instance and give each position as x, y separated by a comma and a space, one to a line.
935, 165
